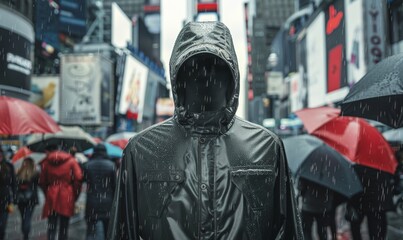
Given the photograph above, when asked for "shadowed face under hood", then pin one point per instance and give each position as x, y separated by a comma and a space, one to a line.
204, 43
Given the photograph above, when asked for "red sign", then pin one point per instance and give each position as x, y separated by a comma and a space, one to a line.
335, 18
334, 68
152, 8
207, 7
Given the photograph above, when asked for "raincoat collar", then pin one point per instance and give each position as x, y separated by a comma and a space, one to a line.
214, 122
205, 38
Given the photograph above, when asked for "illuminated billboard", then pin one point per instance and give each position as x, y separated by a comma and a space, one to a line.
16, 45
132, 88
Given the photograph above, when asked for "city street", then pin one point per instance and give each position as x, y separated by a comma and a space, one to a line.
77, 229
197, 120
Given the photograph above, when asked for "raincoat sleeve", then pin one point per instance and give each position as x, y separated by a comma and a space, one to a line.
124, 221
77, 178
288, 225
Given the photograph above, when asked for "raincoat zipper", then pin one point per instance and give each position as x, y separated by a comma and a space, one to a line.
214, 189
199, 185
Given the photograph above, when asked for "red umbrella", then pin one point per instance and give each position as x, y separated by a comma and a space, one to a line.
21, 153
353, 137
21, 117
120, 143
97, 140
120, 139
317, 117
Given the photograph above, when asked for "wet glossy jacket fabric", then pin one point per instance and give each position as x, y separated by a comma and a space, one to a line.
207, 175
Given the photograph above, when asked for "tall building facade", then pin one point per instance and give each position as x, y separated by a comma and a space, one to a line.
22, 6
145, 17
132, 8
266, 19
16, 48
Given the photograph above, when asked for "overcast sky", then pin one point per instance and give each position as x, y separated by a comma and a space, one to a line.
232, 15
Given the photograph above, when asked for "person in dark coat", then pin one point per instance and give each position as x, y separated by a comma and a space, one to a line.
205, 173
7, 192
398, 176
100, 175
318, 205
60, 180
27, 193
373, 203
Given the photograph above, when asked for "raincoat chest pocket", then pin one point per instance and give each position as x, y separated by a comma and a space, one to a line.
157, 186
256, 185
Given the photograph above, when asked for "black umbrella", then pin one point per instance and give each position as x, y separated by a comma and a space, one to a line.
312, 159
379, 94
68, 137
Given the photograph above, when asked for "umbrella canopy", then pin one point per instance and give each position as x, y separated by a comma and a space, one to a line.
120, 139
19, 117
355, 139
394, 135
121, 143
112, 151
37, 157
120, 135
97, 140
379, 94
317, 117
21, 153
310, 158
68, 137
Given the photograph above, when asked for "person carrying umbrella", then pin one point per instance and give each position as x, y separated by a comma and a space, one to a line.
27, 193
374, 164
100, 175
7, 191
318, 204
373, 203
60, 180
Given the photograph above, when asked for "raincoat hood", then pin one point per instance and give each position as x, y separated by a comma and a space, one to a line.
58, 157
197, 38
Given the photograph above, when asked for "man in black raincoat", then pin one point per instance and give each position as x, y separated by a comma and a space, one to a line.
205, 173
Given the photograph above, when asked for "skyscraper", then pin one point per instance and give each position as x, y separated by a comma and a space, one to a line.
266, 19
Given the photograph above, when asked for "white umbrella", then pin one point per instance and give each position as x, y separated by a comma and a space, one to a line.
120, 135
37, 157
394, 135
68, 137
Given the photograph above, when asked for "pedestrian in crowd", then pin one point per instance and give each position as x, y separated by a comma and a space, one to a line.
60, 180
372, 203
7, 192
9, 154
205, 173
100, 175
398, 177
27, 193
318, 205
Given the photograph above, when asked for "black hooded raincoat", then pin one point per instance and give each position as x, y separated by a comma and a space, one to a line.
206, 175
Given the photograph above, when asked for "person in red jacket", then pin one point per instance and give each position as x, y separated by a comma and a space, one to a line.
60, 180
